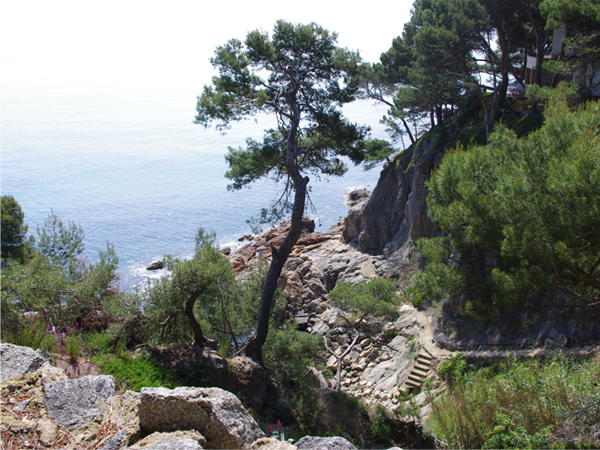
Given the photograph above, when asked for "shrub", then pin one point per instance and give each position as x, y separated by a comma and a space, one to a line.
532, 394
376, 297
136, 373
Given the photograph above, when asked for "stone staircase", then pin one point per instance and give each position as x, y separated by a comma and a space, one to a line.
419, 372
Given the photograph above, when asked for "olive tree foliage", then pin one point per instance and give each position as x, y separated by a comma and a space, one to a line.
300, 76
54, 281
520, 214
198, 301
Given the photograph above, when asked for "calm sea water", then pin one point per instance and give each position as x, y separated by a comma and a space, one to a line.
132, 168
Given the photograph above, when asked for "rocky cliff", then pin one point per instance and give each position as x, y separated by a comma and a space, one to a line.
395, 215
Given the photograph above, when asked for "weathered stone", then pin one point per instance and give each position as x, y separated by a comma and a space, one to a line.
18, 361
184, 440
332, 363
319, 327
324, 443
293, 263
217, 414
250, 380
334, 317
271, 444
237, 262
358, 196
73, 403
116, 442
46, 431
122, 411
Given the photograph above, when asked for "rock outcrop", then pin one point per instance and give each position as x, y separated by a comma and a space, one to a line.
395, 214
217, 414
324, 443
19, 361
45, 407
74, 403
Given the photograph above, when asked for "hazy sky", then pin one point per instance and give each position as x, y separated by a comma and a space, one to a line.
146, 43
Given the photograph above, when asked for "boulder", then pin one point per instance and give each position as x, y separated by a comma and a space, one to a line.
271, 444
324, 443
217, 414
18, 361
156, 266
250, 380
121, 410
237, 262
74, 403
178, 440
358, 196
393, 368
320, 328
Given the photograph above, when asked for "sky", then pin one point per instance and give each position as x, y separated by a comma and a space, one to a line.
149, 43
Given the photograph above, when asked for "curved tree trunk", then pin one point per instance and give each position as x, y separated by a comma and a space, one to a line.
280, 256
199, 339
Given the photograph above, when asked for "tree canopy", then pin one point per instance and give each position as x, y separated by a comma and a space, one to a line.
299, 75
521, 214
14, 229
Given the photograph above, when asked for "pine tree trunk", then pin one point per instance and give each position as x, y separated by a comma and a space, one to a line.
280, 256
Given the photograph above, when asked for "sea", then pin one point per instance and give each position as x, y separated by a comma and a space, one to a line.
128, 164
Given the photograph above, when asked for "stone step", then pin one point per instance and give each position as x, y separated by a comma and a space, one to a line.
422, 366
419, 373
423, 361
412, 384
425, 355
415, 378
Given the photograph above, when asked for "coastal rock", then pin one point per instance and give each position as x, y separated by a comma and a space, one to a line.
324, 443
393, 369
248, 255
74, 403
215, 413
358, 196
18, 361
116, 442
156, 266
396, 211
237, 262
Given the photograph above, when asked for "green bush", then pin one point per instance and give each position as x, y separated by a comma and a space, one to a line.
507, 435
380, 429
453, 370
523, 214
533, 394
135, 373
377, 297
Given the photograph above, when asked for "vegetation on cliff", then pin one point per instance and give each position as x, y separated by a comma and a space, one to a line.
518, 214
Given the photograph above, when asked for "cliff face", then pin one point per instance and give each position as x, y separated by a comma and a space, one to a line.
396, 212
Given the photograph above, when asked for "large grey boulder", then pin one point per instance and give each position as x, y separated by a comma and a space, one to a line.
217, 414
74, 403
324, 443
18, 361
